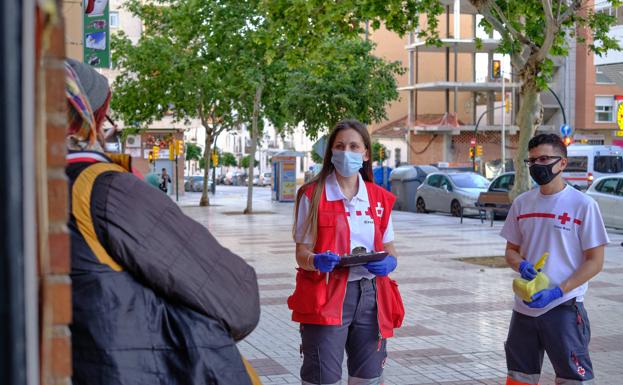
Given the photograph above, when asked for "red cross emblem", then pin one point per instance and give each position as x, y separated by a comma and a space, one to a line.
564, 218
379, 209
581, 371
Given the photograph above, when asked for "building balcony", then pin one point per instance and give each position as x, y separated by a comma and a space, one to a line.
459, 86
462, 45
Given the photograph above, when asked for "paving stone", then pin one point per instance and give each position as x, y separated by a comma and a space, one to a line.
457, 315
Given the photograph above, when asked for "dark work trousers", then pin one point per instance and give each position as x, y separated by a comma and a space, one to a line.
323, 345
563, 333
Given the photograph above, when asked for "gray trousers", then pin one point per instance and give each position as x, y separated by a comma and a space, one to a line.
323, 345
563, 333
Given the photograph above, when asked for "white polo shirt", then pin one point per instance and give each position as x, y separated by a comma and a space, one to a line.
360, 223
564, 224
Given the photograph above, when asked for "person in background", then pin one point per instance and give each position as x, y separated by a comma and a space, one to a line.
149, 307
566, 223
165, 179
355, 308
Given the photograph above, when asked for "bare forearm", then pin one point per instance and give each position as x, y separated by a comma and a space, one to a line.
391, 249
513, 258
305, 256
592, 265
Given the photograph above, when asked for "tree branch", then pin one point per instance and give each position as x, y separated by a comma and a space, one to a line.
575, 5
551, 28
502, 25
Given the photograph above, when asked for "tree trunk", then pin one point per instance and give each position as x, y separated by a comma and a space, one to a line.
205, 200
529, 117
254, 134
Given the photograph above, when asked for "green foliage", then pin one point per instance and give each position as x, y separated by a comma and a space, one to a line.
341, 80
316, 158
227, 159
173, 70
379, 152
534, 32
244, 162
193, 152
307, 23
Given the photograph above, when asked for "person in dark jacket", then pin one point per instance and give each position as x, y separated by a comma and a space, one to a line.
149, 307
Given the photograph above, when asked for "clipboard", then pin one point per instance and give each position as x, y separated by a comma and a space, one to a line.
361, 259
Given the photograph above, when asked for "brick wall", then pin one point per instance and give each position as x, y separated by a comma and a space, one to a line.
52, 208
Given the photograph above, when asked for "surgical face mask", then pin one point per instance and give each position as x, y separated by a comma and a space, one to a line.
543, 173
347, 163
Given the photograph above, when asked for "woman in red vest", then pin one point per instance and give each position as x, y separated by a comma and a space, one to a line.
354, 309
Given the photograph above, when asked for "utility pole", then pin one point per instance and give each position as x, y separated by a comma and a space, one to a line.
503, 123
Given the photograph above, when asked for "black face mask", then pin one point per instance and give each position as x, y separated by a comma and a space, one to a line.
542, 173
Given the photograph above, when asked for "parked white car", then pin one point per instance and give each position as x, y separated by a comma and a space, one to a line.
608, 192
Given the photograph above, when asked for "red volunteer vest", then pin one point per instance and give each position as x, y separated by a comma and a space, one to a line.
316, 302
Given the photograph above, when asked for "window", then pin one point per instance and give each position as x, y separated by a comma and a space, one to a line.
603, 109
601, 78
609, 164
608, 186
445, 182
114, 19
470, 181
434, 180
577, 164
503, 183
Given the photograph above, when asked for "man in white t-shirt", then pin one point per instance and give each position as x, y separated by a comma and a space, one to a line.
566, 223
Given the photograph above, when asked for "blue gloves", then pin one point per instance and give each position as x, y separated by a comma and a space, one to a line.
527, 271
382, 267
325, 262
544, 297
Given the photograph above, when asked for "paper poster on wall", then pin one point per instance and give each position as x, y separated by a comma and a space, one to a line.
97, 35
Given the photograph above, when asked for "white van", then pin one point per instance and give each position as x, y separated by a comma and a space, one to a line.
588, 162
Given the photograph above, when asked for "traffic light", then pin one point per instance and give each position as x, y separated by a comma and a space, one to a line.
171, 151
179, 150
381, 153
507, 105
478, 150
150, 157
214, 159
567, 140
496, 69
471, 153
156, 152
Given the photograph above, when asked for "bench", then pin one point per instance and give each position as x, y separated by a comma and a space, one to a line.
490, 202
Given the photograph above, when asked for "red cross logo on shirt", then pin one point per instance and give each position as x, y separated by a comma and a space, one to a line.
379, 210
564, 218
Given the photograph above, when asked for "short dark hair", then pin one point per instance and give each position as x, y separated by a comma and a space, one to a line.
552, 139
164, 169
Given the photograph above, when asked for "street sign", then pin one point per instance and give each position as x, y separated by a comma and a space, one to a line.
565, 130
618, 133
620, 116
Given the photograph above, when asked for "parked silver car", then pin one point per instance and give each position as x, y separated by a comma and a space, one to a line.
195, 183
449, 192
608, 192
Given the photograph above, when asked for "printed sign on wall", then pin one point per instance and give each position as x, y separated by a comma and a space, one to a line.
97, 35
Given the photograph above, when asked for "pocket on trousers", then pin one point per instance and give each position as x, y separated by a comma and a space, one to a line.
310, 293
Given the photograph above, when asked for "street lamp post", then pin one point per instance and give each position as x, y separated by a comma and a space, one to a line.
476, 137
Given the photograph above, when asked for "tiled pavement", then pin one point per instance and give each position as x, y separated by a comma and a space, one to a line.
457, 314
